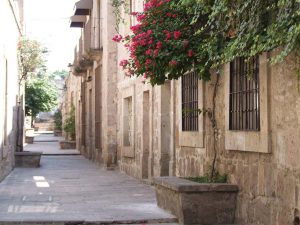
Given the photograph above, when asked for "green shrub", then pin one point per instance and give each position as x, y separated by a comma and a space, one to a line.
69, 126
58, 120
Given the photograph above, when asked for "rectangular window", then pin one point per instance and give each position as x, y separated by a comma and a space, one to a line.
127, 122
189, 99
244, 112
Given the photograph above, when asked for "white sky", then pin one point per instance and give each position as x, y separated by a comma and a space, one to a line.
48, 22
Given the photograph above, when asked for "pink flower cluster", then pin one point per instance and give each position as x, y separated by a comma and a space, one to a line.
117, 38
124, 63
153, 49
153, 4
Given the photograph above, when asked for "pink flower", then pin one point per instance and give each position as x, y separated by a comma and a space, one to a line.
159, 45
148, 52
141, 17
143, 42
148, 62
117, 38
134, 13
155, 53
173, 63
124, 63
149, 32
135, 29
150, 42
168, 35
190, 53
138, 65
177, 34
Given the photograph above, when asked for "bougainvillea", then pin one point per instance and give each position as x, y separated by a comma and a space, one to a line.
175, 36
162, 43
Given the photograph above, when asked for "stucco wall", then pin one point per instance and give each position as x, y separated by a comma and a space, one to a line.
10, 32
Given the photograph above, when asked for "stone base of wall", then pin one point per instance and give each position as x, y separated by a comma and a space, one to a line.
29, 139
57, 133
67, 144
29, 132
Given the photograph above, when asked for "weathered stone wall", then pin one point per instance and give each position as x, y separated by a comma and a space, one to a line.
148, 153
10, 32
269, 182
96, 90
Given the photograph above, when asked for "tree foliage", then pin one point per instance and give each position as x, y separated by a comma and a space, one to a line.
40, 96
31, 56
175, 36
60, 73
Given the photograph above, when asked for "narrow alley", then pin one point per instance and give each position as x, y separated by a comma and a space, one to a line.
69, 189
149, 112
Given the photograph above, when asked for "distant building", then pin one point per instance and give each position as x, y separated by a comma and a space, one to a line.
11, 93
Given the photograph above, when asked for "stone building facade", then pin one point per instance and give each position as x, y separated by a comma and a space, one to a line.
11, 30
148, 131
92, 81
155, 137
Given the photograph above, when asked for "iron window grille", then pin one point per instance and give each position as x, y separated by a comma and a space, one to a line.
244, 109
189, 99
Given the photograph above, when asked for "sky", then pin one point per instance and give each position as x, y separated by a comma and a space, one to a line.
48, 21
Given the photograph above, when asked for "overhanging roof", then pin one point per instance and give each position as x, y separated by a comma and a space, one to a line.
83, 7
77, 21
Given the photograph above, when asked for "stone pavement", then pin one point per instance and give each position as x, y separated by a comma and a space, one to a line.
72, 190
47, 143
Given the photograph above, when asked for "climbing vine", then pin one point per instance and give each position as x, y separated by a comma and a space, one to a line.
120, 6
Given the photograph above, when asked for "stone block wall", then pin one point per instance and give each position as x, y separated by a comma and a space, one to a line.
268, 182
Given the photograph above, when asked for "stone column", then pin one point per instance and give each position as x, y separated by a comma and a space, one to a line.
109, 86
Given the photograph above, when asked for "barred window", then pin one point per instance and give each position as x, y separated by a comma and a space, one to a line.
189, 99
244, 112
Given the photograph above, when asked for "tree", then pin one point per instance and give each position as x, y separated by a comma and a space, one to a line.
40, 96
60, 73
31, 57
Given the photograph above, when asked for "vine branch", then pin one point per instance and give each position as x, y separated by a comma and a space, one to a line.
212, 118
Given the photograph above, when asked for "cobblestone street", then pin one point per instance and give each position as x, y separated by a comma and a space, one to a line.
69, 188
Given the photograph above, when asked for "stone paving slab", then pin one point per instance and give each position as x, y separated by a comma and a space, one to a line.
82, 223
49, 148
71, 188
49, 145
44, 137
